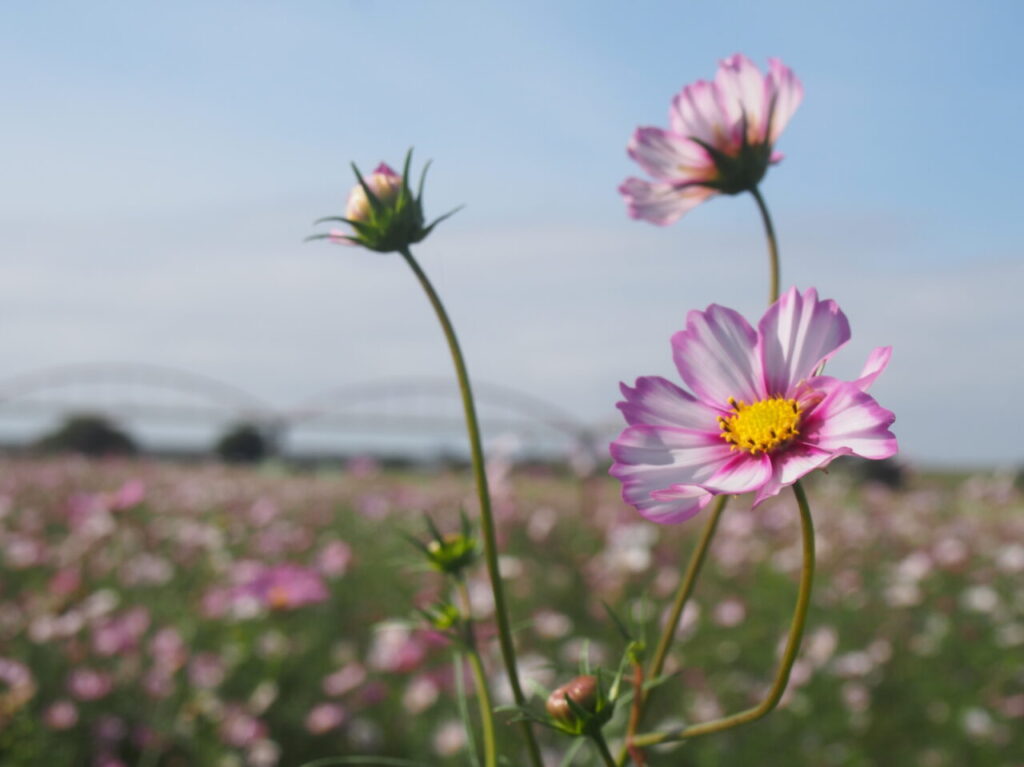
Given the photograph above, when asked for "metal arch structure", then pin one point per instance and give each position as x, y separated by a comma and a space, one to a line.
517, 409
216, 398
336, 409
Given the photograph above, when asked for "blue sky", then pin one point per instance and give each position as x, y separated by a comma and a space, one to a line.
163, 163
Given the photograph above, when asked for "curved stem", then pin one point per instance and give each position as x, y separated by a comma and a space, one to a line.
479, 678
669, 631
508, 652
796, 631
773, 245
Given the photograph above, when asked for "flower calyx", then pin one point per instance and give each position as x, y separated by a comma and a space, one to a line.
383, 212
579, 707
450, 553
739, 172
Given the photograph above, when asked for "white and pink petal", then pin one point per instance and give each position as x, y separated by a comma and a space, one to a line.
657, 401
670, 157
660, 203
716, 356
699, 112
790, 464
848, 420
743, 473
797, 334
745, 92
877, 362
661, 468
786, 93
673, 504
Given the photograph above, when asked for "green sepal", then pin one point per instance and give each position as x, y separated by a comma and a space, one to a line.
375, 203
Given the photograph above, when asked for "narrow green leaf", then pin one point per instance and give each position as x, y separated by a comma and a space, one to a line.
570, 755
434, 532
374, 202
460, 688
423, 178
617, 621
439, 219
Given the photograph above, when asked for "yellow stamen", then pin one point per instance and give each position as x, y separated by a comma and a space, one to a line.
761, 427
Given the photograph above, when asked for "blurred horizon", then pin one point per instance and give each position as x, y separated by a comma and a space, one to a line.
165, 163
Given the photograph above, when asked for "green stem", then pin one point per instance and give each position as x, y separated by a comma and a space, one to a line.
773, 245
486, 709
460, 698
685, 589
508, 652
796, 631
479, 679
668, 633
602, 749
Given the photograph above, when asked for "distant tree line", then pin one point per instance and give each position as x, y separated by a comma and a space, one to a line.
97, 436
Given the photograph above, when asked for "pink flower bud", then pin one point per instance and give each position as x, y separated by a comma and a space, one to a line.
385, 185
582, 691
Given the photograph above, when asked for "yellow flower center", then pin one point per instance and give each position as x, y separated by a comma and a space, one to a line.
761, 427
278, 597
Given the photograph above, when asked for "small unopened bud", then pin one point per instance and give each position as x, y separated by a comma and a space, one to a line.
582, 691
385, 214
452, 553
442, 616
385, 185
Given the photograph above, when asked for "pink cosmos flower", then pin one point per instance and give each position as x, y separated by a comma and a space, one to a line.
61, 715
325, 717
88, 684
719, 140
759, 418
285, 586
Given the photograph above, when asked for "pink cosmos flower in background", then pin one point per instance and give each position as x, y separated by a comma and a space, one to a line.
719, 140
61, 715
285, 586
325, 717
760, 416
88, 684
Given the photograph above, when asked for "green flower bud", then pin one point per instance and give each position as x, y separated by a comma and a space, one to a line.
383, 212
452, 552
